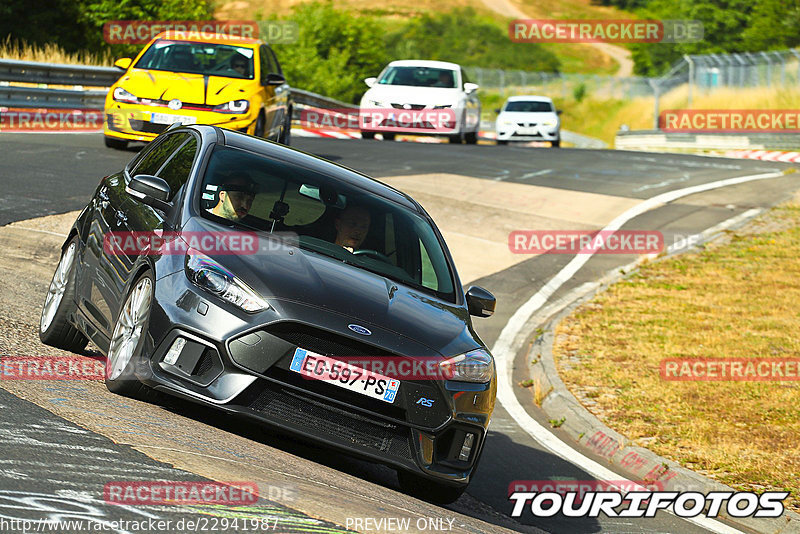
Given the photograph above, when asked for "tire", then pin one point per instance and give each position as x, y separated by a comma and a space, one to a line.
555, 144
367, 135
428, 490
502, 142
260, 125
455, 139
388, 136
471, 138
59, 304
286, 131
126, 347
116, 144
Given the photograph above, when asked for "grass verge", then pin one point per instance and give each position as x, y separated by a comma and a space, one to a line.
734, 299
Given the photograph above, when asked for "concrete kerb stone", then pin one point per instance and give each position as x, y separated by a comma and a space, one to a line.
589, 434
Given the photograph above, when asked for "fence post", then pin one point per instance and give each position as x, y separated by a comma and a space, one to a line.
656, 95
689, 60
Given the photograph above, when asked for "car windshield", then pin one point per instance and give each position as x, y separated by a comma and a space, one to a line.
529, 106
325, 216
199, 58
419, 77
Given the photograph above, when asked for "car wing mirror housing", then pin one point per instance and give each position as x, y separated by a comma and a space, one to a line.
471, 87
370, 81
274, 79
123, 63
150, 190
480, 302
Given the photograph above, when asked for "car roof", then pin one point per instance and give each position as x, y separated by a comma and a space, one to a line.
216, 38
425, 63
526, 98
297, 157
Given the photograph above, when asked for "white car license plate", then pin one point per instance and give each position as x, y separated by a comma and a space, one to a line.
166, 118
528, 131
344, 375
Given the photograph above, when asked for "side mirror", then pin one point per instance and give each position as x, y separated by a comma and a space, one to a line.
497, 110
559, 111
480, 302
370, 81
471, 87
123, 63
274, 79
150, 190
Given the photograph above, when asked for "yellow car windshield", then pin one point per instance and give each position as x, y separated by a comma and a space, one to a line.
209, 59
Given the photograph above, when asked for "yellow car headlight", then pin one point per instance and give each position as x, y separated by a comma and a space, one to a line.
236, 106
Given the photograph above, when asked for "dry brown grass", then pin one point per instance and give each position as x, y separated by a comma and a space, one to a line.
738, 299
50, 53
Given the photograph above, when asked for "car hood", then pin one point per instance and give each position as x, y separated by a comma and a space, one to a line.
404, 94
527, 116
335, 294
165, 85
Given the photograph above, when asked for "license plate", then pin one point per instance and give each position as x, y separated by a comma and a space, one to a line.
166, 118
316, 366
528, 131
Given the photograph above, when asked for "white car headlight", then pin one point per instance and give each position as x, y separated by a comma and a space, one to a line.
236, 106
377, 104
121, 95
213, 277
506, 122
550, 122
474, 366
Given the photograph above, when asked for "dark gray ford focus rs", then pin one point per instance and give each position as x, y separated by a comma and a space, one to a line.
261, 280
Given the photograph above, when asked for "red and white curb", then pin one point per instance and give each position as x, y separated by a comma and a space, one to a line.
767, 155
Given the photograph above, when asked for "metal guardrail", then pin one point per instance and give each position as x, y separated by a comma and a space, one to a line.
84, 75
657, 140
57, 74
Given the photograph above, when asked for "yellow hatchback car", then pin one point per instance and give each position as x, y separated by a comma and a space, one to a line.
226, 81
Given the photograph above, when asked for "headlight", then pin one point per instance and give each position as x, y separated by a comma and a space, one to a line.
237, 106
443, 107
377, 103
474, 366
507, 123
550, 122
211, 276
121, 95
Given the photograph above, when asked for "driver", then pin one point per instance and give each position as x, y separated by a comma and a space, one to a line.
236, 196
352, 226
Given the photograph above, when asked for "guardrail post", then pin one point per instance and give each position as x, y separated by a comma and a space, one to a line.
688, 59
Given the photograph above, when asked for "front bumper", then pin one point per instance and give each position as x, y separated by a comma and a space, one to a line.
527, 133
134, 122
239, 363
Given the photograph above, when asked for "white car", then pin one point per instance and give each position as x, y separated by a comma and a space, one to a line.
528, 118
417, 85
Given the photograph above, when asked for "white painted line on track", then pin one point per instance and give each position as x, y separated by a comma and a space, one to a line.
505, 347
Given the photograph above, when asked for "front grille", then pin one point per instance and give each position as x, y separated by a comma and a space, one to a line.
323, 342
526, 124
147, 126
327, 421
410, 106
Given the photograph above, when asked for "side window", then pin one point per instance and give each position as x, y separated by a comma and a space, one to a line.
429, 278
158, 154
464, 78
176, 171
276, 66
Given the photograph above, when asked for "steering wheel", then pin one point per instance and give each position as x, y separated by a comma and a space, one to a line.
372, 253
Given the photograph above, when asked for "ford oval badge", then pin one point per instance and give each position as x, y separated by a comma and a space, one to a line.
358, 329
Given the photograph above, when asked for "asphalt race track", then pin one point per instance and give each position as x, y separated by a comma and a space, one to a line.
62, 442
